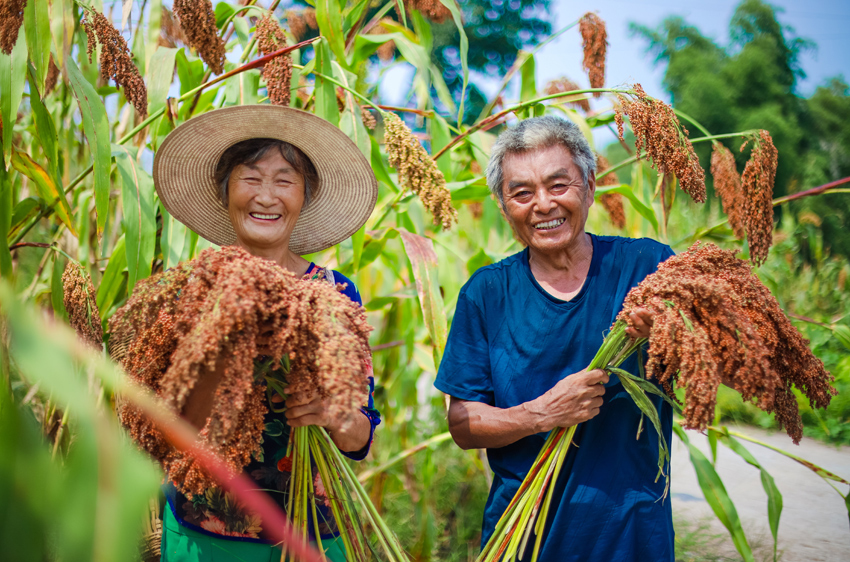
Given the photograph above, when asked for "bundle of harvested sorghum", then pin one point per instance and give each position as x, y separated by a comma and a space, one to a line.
594, 44
662, 138
207, 314
612, 202
116, 62
81, 306
417, 171
277, 72
714, 322
197, 19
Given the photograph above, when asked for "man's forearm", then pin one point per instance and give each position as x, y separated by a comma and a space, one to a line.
475, 425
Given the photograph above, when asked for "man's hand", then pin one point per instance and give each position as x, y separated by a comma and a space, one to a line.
572, 401
642, 319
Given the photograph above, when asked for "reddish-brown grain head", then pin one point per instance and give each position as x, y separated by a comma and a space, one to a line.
594, 44
758, 179
197, 20
277, 72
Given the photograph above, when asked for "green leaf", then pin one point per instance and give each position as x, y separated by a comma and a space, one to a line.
190, 71
379, 167
464, 51
113, 277
52, 195
423, 260
172, 241
154, 31
329, 19
528, 83
57, 293
223, 11
160, 76
716, 496
357, 241
774, 497
243, 88
842, 334
13, 72
477, 261
37, 25
646, 212
45, 130
96, 128
137, 202
440, 137
6, 270
325, 91
351, 120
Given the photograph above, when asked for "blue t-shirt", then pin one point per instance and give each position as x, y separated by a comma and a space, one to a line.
509, 343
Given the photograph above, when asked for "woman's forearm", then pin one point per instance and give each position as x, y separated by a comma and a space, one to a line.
353, 438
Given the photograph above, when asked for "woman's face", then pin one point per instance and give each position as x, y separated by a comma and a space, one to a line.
264, 201
546, 199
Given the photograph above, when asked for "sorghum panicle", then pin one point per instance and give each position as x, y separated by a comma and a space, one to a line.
368, 119
198, 22
81, 305
116, 62
757, 179
170, 32
612, 202
209, 312
431, 9
594, 43
660, 135
713, 321
560, 85
11, 20
52, 76
417, 171
277, 72
727, 184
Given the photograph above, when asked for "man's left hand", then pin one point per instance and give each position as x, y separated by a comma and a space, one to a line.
642, 320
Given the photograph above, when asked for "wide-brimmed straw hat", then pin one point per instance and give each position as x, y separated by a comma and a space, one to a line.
184, 168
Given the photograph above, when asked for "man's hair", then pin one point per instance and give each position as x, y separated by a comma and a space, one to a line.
534, 134
253, 150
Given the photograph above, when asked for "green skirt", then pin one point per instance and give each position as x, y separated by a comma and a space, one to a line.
181, 544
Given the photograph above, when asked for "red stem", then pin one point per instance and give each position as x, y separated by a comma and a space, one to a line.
813, 191
28, 244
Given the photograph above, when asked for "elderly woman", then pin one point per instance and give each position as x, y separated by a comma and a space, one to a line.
279, 183
523, 332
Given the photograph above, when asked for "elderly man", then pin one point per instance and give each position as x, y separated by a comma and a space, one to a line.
523, 332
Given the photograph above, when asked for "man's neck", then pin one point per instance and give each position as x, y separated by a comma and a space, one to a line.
563, 273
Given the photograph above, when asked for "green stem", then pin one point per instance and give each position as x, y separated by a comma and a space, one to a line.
341, 85
693, 121
623, 164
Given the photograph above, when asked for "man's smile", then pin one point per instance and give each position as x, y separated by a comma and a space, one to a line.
549, 225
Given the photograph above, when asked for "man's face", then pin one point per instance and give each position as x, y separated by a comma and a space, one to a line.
546, 200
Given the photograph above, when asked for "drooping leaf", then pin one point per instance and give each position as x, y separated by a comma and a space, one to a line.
137, 203
160, 76
190, 71
842, 334
423, 259
49, 192
96, 129
56, 290
717, 497
6, 270
45, 130
638, 205
113, 278
37, 25
13, 72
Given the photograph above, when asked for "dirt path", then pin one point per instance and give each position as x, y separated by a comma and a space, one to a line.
814, 525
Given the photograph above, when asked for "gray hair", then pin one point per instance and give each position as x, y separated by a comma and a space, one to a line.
536, 133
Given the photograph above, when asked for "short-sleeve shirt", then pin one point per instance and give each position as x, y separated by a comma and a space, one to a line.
216, 514
510, 342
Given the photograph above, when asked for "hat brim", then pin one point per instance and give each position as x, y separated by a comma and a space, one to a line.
184, 170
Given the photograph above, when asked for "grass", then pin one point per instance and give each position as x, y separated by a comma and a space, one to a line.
705, 540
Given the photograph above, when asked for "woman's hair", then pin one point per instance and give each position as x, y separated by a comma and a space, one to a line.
252, 150
535, 133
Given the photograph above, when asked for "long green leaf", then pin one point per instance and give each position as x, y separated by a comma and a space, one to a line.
160, 76
717, 497
172, 240
464, 51
842, 334
420, 252
45, 130
351, 120
37, 25
329, 18
325, 92
528, 81
440, 137
113, 277
56, 289
638, 205
49, 192
13, 72
774, 497
137, 203
96, 129
6, 208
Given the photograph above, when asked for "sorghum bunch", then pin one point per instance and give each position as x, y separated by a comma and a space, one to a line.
116, 62
560, 85
757, 179
277, 72
198, 22
170, 32
714, 321
727, 184
368, 119
52, 76
417, 171
594, 43
206, 315
612, 202
300, 21
81, 305
11, 20
660, 135
431, 9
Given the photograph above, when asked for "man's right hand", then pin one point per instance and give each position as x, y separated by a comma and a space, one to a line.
575, 399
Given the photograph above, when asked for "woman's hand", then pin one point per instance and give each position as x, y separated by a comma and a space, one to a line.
308, 408
642, 320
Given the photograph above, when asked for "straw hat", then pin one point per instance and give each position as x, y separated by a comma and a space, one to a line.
184, 168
